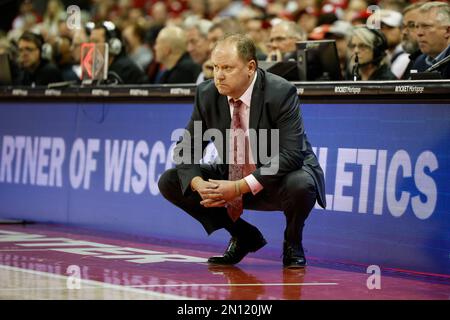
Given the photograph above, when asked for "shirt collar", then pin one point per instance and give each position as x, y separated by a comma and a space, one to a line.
246, 97
439, 57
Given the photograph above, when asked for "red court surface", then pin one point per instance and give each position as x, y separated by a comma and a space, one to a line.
58, 262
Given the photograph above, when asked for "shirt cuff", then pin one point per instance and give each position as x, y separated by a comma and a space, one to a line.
253, 184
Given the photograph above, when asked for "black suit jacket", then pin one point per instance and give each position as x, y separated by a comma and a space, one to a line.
420, 65
274, 105
185, 71
127, 71
44, 74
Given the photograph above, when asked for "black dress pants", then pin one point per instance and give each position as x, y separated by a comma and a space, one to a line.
295, 196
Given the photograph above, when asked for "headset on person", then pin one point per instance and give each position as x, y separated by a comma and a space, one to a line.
380, 45
111, 36
45, 49
114, 47
379, 49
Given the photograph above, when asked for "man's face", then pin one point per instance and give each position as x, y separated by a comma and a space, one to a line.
29, 54
409, 37
393, 35
431, 35
255, 30
65, 50
197, 46
232, 76
97, 36
161, 49
281, 40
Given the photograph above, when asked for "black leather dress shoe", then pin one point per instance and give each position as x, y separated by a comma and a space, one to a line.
238, 248
293, 256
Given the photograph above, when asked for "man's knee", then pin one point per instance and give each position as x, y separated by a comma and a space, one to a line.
300, 186
167, 182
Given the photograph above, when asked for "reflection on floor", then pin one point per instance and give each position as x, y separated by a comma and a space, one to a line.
54, 262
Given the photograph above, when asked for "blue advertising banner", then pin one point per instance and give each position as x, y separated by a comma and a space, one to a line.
387, 169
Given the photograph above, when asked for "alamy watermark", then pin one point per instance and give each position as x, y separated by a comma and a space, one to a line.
248, 145
74, 278
374, 280
73, 21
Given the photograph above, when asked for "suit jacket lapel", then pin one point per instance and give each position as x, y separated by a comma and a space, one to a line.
224, 112
257, 101
223, 122
255, 111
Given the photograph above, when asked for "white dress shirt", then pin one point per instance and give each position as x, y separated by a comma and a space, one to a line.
246, 99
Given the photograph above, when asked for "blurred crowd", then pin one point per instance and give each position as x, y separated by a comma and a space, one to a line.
170, 41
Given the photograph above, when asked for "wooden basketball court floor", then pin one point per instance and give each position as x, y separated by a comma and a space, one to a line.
55, 262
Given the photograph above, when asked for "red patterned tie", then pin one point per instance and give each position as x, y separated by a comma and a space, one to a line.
239, 165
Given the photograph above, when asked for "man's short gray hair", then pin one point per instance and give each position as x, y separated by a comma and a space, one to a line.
294, 30
443, 11
412, 7
202, 25
245, 46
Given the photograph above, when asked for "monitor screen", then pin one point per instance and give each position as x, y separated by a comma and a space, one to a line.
318, 60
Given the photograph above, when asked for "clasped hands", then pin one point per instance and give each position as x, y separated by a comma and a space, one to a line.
216, 193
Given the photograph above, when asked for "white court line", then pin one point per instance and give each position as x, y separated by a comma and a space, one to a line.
190, 285
47, 288
236, 284
99, 284
13, 250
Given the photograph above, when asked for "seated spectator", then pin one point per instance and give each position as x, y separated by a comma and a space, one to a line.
254, 24
433, 33
283, 38
390, 23
409, 37
224, 8
307, 18
154, 69
370, 46
257, 30
79, 37
208, 69
133, 37
35, 68
11, 51
356, 12
27, 14
197, 8
170, 51
197, 42
337, 31
53, 13
121, 68
221, 28
64, 59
